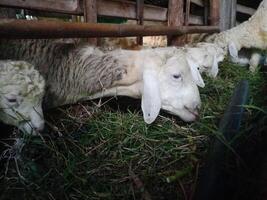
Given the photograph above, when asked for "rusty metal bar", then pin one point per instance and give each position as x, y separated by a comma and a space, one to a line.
12, 28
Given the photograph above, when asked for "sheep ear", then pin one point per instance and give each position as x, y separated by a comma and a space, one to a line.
195, 73
233, 50
215, 68
151, 101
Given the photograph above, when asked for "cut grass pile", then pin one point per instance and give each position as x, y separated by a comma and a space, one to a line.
101, 152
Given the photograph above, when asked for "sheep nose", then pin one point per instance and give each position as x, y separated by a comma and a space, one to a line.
194, 109
195, 106
39, 127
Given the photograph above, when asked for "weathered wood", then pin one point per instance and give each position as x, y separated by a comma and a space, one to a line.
175, 18
214, 12
245, 9
7, 13
206, 12
140, 16
61, 6
198, 2
110, 8
187, 12
10, 28
90, 15
233, 13
225, 14
127, 9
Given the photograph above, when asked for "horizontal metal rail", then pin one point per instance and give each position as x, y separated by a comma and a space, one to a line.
13, 28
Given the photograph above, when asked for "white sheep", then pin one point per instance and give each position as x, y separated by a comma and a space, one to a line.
202, 56
21, 94
250, 57
249, 34
205, 56
80, 73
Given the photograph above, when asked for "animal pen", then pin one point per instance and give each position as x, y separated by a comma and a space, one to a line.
102, 149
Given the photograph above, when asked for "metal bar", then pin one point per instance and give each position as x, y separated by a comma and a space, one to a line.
11, 28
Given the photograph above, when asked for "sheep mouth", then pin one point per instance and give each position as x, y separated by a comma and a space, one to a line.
193, 112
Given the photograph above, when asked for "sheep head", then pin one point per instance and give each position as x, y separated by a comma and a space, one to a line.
205, 57
172, 87
21, 94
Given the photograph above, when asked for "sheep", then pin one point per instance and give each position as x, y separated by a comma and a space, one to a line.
249, 34
21, 94
250, 57
80, 73
203, 56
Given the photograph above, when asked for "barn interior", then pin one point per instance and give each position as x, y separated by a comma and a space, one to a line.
102, 149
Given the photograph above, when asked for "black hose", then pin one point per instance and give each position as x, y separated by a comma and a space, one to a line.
212, 183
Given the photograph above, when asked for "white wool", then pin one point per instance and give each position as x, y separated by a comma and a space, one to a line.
22, 90
249, 34
162, 80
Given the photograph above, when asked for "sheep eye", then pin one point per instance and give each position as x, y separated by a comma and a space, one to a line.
12, 100
176, 76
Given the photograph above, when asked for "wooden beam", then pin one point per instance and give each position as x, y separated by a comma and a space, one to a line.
198, 2
110, 8
245, 9
175, 18
12, 28
127, 9
140, 16
61, 6
90, 15
214, 12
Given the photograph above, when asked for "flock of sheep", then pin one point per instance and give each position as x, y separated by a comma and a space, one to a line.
39, 74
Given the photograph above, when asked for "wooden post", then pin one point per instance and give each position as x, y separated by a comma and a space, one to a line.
7, 13
187, 12
175, 18
140, 18
206, 12
214, 12
227, 14
90, 15
233, 13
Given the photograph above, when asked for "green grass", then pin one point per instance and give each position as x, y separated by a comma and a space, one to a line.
100, 152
